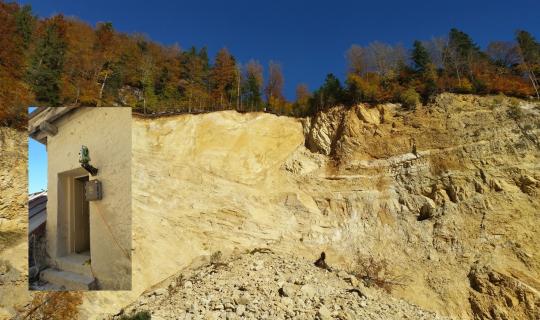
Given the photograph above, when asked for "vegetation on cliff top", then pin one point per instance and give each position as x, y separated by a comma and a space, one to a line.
63, 61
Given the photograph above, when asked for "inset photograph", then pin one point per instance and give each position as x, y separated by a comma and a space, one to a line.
80, 198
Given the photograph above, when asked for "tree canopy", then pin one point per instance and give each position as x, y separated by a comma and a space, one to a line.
63, 61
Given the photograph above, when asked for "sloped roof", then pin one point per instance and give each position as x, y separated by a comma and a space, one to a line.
37, 210
42, 116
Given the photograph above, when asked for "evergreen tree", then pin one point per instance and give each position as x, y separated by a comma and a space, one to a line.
330, 94
332, 91
530, 48
462, 43
47, 63
530, 55
205, 74
253, 85
253, 92
161, 82
25, 23
72, 62
420, 57
461, 53
194, 84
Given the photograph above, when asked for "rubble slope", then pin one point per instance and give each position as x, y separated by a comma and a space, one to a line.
262, 284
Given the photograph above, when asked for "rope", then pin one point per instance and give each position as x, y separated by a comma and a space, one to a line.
124, 251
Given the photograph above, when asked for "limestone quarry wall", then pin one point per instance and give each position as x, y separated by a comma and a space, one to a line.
226, 181
447, 194
107, 134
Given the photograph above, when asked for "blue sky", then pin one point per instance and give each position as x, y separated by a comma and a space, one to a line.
37, 165
309, 38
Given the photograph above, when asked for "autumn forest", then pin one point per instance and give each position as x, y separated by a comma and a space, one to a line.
61, 61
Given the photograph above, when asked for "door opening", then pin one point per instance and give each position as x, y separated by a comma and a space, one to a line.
81, 218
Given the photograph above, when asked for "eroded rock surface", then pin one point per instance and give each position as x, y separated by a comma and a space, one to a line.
13, 221
435, 191
503, 296
438, 192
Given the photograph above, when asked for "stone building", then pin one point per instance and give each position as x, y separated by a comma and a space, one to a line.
88, 228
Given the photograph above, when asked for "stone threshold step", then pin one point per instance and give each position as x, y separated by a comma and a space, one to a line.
68, 280
76, 263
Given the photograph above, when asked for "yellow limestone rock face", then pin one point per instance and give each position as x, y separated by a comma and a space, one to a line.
233, 146
205, 183
447, 194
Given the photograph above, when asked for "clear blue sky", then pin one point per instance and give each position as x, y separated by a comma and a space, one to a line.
309, 38
37, 165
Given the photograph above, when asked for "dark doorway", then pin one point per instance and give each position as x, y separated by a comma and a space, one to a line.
81, 217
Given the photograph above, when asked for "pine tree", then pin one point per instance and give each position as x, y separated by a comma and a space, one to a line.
420, 57
25, 23
253, 92
462, 43
194, 82
330, 94
205, 74
461, 53
529, 50
253, 85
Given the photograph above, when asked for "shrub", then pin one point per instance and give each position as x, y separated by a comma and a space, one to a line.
409, 98
216, 257
141, 315
497, 100
443, 163
54, 305
176, 284
361, 89
376, 272
514, 102
515, 112
465, 86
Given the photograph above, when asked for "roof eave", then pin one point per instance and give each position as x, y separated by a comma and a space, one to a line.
40, 122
